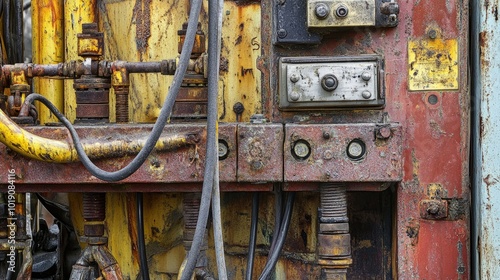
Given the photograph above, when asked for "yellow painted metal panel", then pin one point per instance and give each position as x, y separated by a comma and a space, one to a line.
240, 51
149, 33
433, 64
48, 48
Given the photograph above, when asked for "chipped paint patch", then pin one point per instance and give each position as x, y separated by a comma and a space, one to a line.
433, 64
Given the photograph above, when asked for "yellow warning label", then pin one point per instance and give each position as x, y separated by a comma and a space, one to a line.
433, 64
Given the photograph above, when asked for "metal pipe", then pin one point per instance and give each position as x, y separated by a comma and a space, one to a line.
49, 150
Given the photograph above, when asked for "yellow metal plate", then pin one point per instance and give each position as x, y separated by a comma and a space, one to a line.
433, 64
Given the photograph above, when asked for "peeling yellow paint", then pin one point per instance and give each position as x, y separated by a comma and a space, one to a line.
433, 64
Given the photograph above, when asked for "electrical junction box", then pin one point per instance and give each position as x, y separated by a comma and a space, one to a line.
331, 82
340, 13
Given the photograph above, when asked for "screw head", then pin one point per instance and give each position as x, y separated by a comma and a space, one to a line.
257, 164
366, 94
366, 76
327, 155
238, 108
294, 96
282, 33
326, 135
321, 10
384, 132
432, 34
329, 82
294, 78
342, 11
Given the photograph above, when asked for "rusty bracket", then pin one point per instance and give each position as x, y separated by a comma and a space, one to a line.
438, 206
433, 209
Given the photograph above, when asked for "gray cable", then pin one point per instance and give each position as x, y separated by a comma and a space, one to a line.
211, 154
215, 9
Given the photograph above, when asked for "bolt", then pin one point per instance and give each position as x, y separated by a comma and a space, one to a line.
393, 18
433, 209
327, 155
384, 132
257, 164
228, 12
432, 34
321, 10
294, 96
282, 33
329, 82
366, 76
342, 11
238, 108
326, 135
294, 78
366, 94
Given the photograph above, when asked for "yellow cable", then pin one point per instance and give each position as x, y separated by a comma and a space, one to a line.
50, 150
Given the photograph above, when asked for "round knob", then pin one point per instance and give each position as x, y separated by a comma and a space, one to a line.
329, 82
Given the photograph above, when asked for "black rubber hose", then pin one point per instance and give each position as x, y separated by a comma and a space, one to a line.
253, 235
278, 211
160, 122
273, 258
211, 153
143, 261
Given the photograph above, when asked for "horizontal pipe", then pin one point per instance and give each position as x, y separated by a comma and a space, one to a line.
50, 150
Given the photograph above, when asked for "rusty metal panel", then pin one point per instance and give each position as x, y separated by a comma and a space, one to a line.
487, 149
183, 165
329, 159
260, 152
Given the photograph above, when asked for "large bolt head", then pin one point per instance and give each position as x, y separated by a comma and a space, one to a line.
329, 82
321, 10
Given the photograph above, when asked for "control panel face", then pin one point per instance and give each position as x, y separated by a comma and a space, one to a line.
328, 82
343, 13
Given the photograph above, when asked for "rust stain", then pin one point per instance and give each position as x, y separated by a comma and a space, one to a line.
245, 2
132, 226
483, 44
489, 180
412, 230
141, 15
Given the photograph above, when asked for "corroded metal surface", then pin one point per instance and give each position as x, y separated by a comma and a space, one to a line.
435, 127
487, 167
183, 165
329, 161
260, 152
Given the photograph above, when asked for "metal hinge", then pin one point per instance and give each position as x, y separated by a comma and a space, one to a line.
439, 207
